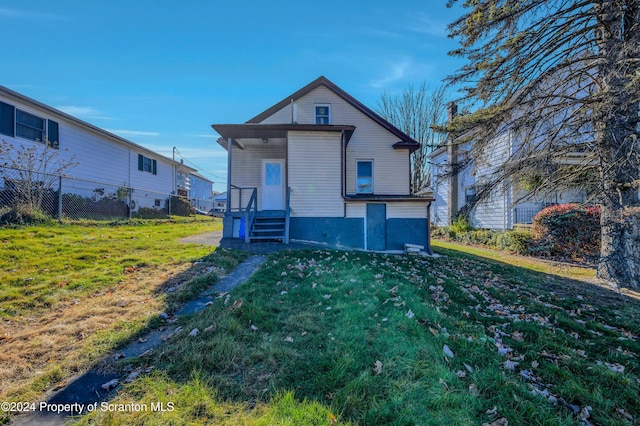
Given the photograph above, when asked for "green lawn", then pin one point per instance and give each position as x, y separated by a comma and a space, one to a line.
72, 294
44, 265
317, 337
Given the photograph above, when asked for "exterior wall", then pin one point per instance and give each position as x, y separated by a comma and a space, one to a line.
370, 141
440, 186
100, 159
333, 231
200, 191
406, 231
315, 175
356, 210
246, 168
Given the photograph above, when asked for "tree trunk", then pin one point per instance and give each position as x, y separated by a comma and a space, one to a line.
616, 119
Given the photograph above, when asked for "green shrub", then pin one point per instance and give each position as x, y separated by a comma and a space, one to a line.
514, 241
22, 215
151, 213
483, 236
460, 224
568, 231
439, 232
181, 206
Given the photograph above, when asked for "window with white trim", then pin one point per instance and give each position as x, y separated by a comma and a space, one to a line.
15, 122
146, 164
323, 114
364, 176
470, 194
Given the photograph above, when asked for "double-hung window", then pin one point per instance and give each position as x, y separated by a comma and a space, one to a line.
323, 114
146, 164
364, 178
470, 194
29, 126
15, 122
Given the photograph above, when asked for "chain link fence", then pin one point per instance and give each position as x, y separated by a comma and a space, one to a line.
28, 193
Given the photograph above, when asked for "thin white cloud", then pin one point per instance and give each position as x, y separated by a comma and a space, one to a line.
29, 15
429, 26
206, 136
395, 73
82, 112
129, 133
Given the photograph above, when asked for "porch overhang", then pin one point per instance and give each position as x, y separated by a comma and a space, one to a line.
273, 131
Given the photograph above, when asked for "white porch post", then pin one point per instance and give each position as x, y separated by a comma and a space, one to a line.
229, 147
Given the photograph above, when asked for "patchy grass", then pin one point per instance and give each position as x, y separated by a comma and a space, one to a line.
376, 339
70, 294
566, 270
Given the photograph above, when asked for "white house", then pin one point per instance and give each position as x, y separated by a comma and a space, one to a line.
100, 157
320, 166
505, 207
200, 191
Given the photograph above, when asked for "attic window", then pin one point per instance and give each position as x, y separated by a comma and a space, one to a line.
323, 114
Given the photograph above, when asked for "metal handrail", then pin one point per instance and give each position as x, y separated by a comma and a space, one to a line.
250, 215
230, 197
287, 215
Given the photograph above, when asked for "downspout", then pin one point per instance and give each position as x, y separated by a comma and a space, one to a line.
229, 147
429, 228
343, 169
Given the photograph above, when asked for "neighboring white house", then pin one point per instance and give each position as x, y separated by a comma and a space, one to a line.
502, 209
200, 192
100, 157
321, 166
220, 202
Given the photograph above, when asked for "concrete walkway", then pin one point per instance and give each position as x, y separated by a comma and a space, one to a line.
85, 391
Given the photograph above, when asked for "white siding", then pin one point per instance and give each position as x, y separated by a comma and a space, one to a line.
246, 170
314, 174
370, 141
440, 185
356, 210
406, 210
100, 160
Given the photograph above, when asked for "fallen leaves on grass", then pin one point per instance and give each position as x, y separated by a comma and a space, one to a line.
448, 352
377, 368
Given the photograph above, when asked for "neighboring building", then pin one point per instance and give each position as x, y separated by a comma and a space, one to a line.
100, 157
320, 166
220, 202
501, 210
200, 192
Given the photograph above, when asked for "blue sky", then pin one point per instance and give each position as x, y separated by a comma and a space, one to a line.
159, 73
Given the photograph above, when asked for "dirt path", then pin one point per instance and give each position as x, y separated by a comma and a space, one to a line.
207, 239
87, 389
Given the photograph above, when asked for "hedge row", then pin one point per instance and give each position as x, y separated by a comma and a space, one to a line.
562, 232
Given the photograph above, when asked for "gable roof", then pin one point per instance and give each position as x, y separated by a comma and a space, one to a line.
19, 97
406, 142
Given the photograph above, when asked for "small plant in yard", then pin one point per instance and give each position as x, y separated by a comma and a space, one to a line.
515, 241
379, 339
30, 174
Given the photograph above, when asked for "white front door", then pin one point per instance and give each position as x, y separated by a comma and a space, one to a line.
273, 184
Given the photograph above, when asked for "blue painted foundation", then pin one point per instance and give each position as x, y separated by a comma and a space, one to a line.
406, 231
348, 232
334, 231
